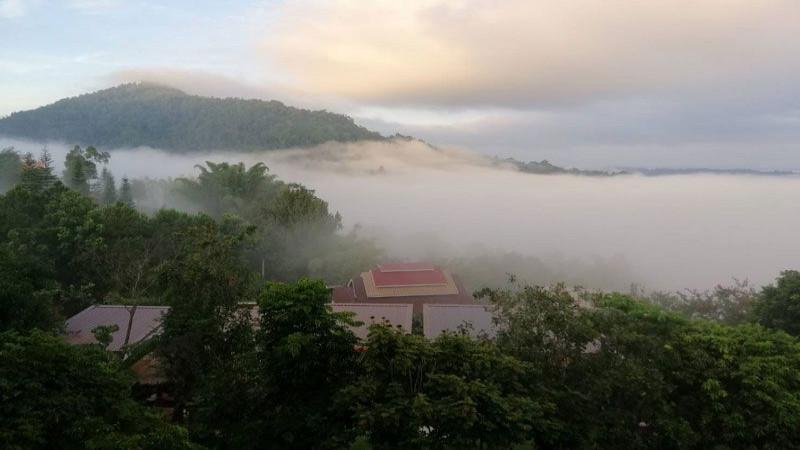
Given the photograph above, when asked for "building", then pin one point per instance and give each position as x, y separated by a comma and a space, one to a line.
396, 315
134, 323
416, 284
474, 320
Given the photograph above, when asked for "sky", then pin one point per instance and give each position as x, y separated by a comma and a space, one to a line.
584, 83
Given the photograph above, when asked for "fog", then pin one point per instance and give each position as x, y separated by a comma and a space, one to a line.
669, 232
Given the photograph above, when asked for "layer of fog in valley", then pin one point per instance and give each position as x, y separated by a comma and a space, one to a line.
669, 232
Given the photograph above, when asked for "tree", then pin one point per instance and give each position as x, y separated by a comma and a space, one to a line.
28, 293
59, 228
287, 382
624, 373
779, 305
690, 383
37, 174
66, 396
223, 188
731, 305
204, 286
125, 194
454, 392
298, 228
10, 168
81, 167
109, 194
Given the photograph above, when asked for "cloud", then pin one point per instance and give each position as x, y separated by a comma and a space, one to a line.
521, 52
95, 6
12, 8
191, 81
668, 232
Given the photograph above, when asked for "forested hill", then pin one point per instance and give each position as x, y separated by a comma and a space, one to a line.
132, 115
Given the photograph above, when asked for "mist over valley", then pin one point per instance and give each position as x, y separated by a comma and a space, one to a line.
420, 202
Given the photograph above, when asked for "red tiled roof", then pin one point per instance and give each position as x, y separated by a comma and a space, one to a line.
462, 297
406, 267
433, 277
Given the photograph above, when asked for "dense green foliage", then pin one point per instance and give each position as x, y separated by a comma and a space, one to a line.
10, 168
204, 285
779, 306
253, 364
286, 380
732, 305
625, 374
55, 395
133, 115
80, 167
453, 392
297, 234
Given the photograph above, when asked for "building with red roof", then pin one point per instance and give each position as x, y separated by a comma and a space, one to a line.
416, 283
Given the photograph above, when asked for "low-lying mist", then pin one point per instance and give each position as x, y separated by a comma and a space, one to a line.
455, 206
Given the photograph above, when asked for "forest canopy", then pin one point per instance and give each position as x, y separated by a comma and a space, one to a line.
141, 114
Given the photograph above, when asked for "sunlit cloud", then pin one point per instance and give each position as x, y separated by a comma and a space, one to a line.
520, 52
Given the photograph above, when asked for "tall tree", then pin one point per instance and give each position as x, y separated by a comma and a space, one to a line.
779, 305
204, 287
125, 194
80, 167
37, 174
287, 382
223, 188
10, 168
109, 194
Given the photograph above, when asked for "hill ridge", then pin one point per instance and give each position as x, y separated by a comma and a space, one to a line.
154, 115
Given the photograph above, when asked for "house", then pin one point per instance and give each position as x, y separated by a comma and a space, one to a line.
416, 283
396, 315
134, 323
474, 320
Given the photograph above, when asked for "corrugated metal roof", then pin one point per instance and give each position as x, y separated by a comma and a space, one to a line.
408, 278
371, 313
146, 321
474, 319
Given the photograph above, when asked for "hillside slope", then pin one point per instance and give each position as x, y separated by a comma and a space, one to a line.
132, 115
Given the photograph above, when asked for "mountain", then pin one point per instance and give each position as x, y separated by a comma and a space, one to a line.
544, 167
692, 171
140, 114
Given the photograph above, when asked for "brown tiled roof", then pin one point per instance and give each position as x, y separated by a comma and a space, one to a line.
460, 296
146, 322
342, 294
473, 319
374, 290
371, 313
401, 278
